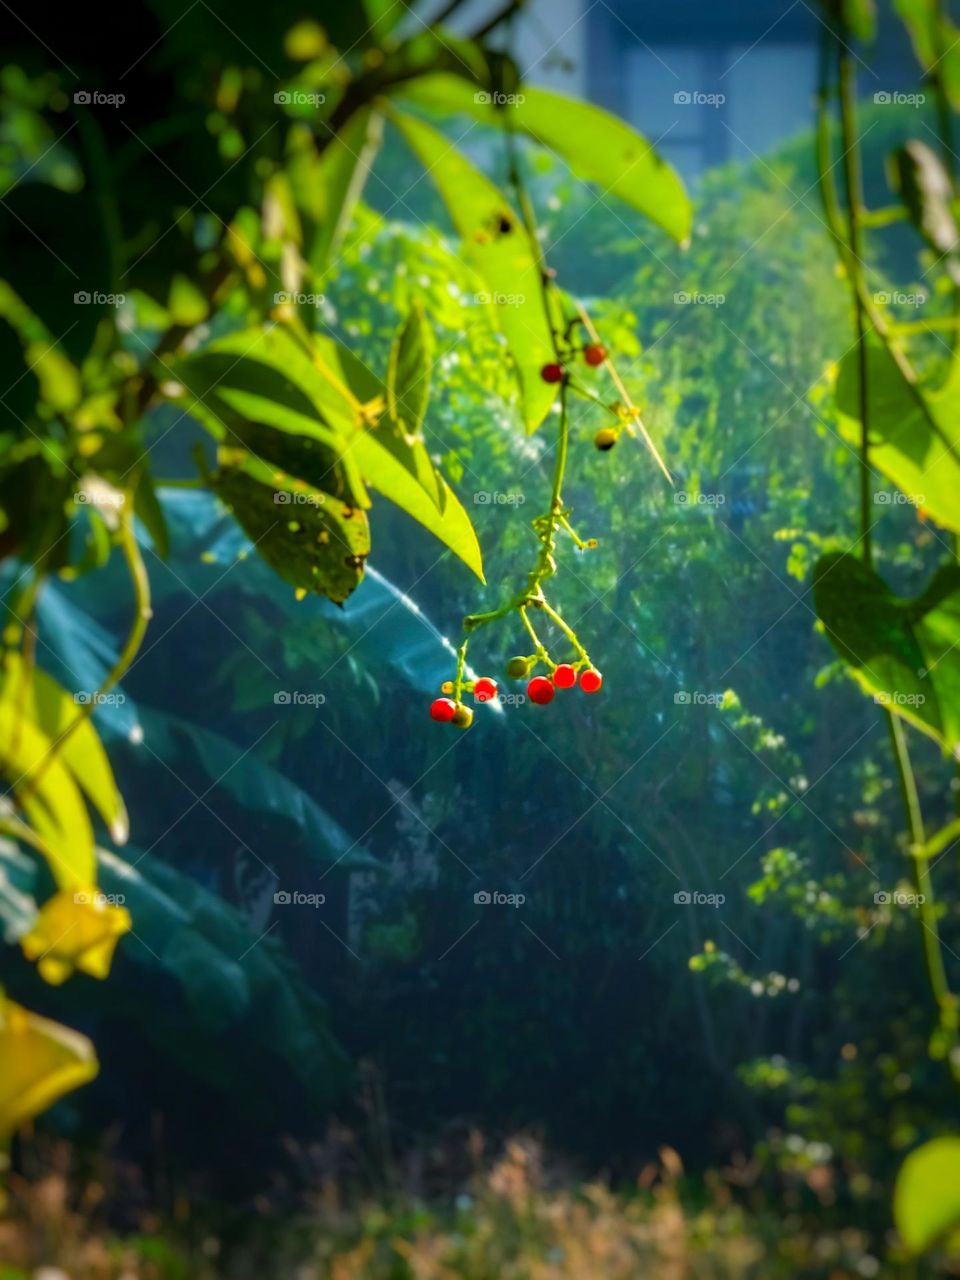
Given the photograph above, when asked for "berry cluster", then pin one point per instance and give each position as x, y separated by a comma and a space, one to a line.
448, 711
541, 689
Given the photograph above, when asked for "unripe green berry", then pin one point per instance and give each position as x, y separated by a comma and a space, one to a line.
517, 668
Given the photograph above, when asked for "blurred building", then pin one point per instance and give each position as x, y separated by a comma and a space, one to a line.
707, 80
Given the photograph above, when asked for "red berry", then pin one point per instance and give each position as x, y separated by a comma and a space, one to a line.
591, 680
541, 690
443, 710
552, 373
485, 689
564, 677
594, 354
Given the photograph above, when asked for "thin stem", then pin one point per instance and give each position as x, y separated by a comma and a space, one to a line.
853, 181
142, 614
555, 617
849, 249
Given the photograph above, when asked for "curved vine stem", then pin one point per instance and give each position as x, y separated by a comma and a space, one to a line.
849, 245
140, 580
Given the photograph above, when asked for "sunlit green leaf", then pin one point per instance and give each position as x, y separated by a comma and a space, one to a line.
917, 451
936, 42
53, 807
904, 652
408, 394
497, 246
597, 146
52, 709
926, 1199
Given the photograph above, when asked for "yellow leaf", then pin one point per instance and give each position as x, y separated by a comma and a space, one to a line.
75, 930
40, 1061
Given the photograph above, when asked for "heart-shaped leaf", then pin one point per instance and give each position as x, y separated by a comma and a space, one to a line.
905, 652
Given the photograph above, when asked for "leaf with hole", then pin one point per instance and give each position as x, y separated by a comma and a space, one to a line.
598, 147
318, 546
497, 247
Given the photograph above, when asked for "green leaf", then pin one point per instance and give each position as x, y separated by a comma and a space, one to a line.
148, 509
496, 245
924, 186
926, 1198
904, 652
935, 42
186, 304
339, 177
234, 979
918, 450
383, 16
408, 394
54, 808
258, 379
315, 546
332, 399
860, 18
52, 709
597, 146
